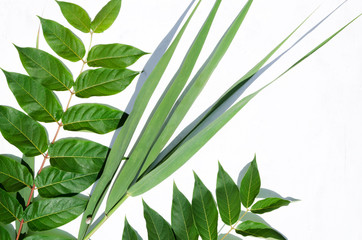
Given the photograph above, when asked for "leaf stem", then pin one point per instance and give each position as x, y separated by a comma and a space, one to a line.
19, 232
233, 226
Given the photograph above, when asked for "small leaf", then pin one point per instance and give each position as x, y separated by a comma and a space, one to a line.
52, 182
76, 16
255, 229
268, 205
10, 208
45, 68
55, 234
182, 221
250, 185
4, 234
129, 233
39, 102
227, 196
204, 211
77, 155
13, 175
113, 55
103, 82
106, 16
47, 214
63, 41
157, 227
23, 132
93, 117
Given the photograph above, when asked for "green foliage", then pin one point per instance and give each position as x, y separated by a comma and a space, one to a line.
255, 229
268, 205
54, 234
4, 234
250, 185
76, 16
106, 16
10, 208
129, 233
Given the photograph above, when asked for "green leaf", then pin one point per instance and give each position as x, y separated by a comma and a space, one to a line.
268, 205
13, 175
55, 234
4, 234
47, 214
76, 16
227, 196
77, 155
157, 227
10, 208
39, 102
103, 82
97, 118
255, 229
250, 185
52, 182
45, 68
106, 16
204, 211
113, 55
23, 132
182, 221
129, 233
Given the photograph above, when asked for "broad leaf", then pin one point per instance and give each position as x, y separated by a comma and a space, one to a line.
45, 68
103, 82
77, 155
250, 185
39, 102
157, 227
13, 175
255, 229
10, 208
23, 132
227, 196
4, 234
54, 234
113, 55
52, 182
106, 16
182, 221
268, 205
93, 117
51, 213
129, 233
76, 16
204, 211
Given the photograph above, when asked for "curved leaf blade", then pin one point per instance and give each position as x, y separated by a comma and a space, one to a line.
53, 182
77, 155
113, 55
255, 229
4, 234
23, 132
268, 205
97, 118
76, 16
106, 16
250, 185
103, 82
36, 100
45, 68
55, 234
227, 196
47, 214
129, 233
10, 208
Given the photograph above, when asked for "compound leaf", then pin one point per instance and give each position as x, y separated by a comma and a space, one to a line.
76, 16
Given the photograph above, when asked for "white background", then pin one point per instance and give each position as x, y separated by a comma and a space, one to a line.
306, 129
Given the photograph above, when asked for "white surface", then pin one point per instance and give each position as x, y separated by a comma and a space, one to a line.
306, 129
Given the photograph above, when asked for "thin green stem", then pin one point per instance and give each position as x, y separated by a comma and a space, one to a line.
233, 226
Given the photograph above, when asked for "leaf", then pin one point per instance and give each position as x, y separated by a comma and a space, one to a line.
4, 234
23, 132
204, 211
93, 117
10, 208
13, 175
157, 227
227, 195
268, 205
106, 16
182, 221
77, 155
45, 68
55, 234
113, 55
250, 185
51, 213
76, 16
255, 229
39, 102
103, 82
129, 233
53, 182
